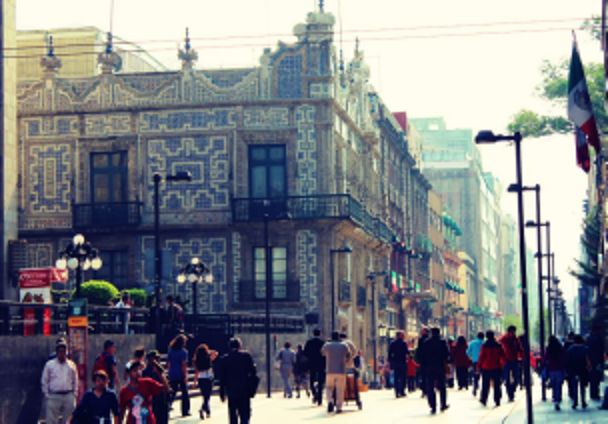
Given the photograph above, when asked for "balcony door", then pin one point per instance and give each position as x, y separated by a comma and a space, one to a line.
109, 176
267, 180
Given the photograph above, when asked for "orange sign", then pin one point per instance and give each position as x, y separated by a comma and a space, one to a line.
78, 321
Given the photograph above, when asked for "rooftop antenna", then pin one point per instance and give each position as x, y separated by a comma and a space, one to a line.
340, 24
111, 15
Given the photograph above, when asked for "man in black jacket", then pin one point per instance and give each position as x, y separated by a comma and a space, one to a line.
434, 356
316, 365
397, 357
236, 372
424, 336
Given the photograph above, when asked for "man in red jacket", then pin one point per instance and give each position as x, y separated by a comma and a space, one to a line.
490, 362
513, 351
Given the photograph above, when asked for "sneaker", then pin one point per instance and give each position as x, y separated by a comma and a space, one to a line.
330, 407
444, 407
201, 414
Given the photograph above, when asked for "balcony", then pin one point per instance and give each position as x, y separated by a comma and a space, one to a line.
344, 292
324, 206
283, 291
103, 215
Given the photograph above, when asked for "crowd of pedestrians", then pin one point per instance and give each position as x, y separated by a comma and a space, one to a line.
146, 390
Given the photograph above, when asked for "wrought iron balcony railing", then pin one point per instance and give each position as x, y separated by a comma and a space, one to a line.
111, 214
340, 206
282, 291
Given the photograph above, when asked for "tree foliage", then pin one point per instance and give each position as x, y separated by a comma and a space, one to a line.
515, 320
554, 89
98, 292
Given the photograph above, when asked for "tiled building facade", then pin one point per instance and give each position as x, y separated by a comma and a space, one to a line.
301, 142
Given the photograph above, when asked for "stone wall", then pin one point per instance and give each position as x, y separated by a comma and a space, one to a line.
23, 358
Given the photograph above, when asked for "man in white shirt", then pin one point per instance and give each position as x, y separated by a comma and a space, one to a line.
59, 384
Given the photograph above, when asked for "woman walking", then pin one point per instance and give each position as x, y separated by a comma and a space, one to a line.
300, 370
555, 364
203, 374
286, 359
462, 362
177, 362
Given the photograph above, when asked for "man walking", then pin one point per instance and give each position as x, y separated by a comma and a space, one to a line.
397, 357
595, 344
490, 364
424, 335
59, 384
512, 350
236, 372
336, 355
434, 355
106, 361
316, 365
473, 353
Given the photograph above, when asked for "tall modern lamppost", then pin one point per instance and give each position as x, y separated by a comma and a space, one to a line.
539, 263
178, 176
195, 272
79, 255
490, 137
344, 249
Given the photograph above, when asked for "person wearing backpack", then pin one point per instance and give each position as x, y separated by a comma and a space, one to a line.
136, 396
203, 374
106, 361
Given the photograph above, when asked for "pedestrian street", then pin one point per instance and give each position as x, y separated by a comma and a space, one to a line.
380, 406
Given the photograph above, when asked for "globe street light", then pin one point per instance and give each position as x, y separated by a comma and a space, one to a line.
490, 137
195, 272
80, 256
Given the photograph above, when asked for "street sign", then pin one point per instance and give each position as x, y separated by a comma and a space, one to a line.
78, 340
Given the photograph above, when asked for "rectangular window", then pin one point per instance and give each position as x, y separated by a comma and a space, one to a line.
113, 269
267, 175
278, 272
109, 172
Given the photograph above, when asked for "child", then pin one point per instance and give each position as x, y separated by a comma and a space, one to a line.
412, 366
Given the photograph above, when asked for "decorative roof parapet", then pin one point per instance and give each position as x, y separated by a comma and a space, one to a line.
188, 55
50, 63
319, 27
109, 60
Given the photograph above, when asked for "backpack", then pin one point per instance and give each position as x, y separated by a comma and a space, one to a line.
101, 364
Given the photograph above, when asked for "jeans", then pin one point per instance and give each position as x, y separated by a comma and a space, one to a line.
556, 379
436, 380
317, 381
511, 377
475, 378
181, 385
578, 382
400, 373
411, 383
595, 376
205, 385
486, 377
285, 374
462, 377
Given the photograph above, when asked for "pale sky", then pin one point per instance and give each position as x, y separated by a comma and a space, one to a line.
473, 62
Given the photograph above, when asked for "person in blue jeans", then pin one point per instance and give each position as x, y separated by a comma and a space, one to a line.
473, 353
555, 365
177, 362
287, 359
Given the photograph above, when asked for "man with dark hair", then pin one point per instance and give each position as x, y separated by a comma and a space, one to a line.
236, 371
513, 351
316, 365
59, 384
473, 353
435, 355
106, 361
397, 357
336, 355
98, 404
490, 364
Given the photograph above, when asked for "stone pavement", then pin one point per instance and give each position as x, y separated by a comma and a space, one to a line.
380, 406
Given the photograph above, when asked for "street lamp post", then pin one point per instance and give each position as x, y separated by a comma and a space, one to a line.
489, 137
552, 279
178, 176
539, 263
345, 249
79, 255
195, 272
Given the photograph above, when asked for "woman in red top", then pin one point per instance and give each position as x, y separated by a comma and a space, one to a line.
491, 361
462, 362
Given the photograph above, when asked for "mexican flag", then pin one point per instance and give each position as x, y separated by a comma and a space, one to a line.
580, 111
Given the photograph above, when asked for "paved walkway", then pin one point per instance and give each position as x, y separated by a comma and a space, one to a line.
380, 406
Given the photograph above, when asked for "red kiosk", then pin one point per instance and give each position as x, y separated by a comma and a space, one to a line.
35, 287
